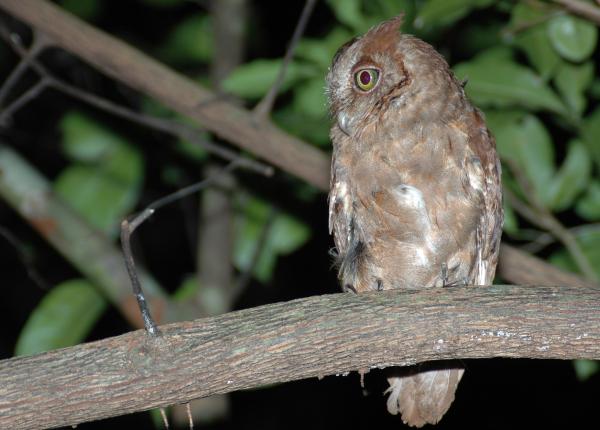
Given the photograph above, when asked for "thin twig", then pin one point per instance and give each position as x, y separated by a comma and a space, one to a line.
246, 275
186, 191
547, 221
22, 100
128, 227
540, 240
171, 127
38, 45
25, 258
264, 107
581, 8
536, 213
523, 26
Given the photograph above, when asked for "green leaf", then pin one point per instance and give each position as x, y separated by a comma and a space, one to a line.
594, 90
84, 9
83, 139
572, 81
103, 185
533, 40
309, 99
511, 223
590, 133
99, 198
573, 38
215, 300
589, 241
384, 9
321, 51
252, 80
441, 13
308, 127
523, 139
349, 12
571, 179
64, 317
585, 369
588, 206
478, 37
190, 41
285, 234
501, 82
187, 290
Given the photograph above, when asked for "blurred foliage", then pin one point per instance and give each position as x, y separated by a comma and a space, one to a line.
63, 318
103, 181
530, 66
263, 233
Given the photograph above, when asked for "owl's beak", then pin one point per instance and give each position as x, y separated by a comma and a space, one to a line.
343, 121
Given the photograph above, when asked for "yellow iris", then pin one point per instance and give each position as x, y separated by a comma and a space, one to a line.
366, 79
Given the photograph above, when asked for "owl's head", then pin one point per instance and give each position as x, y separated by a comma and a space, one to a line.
386, 79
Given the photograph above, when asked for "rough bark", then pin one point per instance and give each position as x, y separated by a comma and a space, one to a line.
305, 338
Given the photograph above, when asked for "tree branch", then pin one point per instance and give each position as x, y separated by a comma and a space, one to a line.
31, 196
185, 96
128, 65
304, 338
523, 268
581, 8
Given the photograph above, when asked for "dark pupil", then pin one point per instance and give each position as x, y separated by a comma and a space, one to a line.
365, 78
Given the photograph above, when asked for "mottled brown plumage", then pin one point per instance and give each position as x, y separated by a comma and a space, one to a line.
415, 199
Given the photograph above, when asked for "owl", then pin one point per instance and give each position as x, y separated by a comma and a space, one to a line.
415, 199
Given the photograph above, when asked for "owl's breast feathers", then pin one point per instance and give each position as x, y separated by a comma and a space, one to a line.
403, 209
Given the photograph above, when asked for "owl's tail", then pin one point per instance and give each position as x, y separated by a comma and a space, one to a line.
423, 397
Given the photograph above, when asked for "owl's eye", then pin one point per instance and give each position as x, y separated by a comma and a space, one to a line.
366, 79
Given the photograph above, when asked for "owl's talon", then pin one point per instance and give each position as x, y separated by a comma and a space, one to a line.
444, 275
350, 287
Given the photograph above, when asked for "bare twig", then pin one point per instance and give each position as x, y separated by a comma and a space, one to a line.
174, 128
305, 338
22, 100
128, 227
539, 215
264, 107
541, 240
38, 45
526, 25
246, 275
92, 253
25, 258
581, 8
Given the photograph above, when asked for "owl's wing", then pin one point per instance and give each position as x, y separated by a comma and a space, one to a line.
489, 229
340, 206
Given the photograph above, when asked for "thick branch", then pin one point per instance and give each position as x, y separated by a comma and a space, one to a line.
183, 95
31, 195
235, 124
305, 338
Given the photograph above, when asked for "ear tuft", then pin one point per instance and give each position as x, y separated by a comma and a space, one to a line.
384, 36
